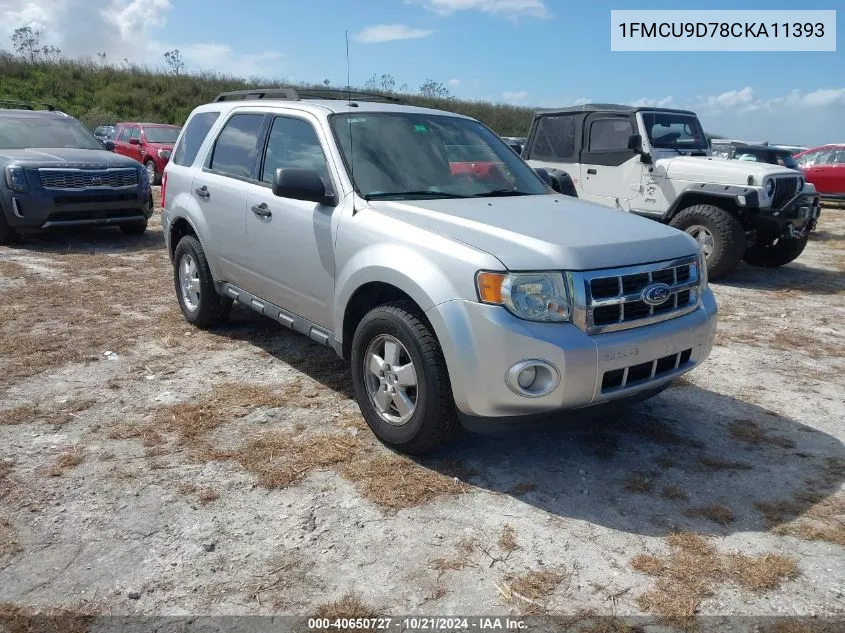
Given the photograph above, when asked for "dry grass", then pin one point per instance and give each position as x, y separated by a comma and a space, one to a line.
716, 464
750, 432
56, 415
716, 513
395, 482
674, 493
532, 591
461, 559
639, 483
507, 540
9, 538
349, 606
207, 495
71, 458
18, 619
693, 568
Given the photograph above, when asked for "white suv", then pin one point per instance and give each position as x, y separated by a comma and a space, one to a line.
458, 290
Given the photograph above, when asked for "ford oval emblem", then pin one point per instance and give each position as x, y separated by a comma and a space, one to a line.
655, 294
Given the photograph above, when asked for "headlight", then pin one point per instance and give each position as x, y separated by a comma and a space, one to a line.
164, 153
770, 187
540, 296
702, 268
16, 179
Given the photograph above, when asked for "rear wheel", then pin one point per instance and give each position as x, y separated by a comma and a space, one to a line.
773, 255
718, 233
401, 381
198, 298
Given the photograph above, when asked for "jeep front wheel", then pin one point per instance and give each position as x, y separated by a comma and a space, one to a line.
719, 234
773, 255
401, 381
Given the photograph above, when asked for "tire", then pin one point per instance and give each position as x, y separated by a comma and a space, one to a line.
433, 421
8, 235
725, 232
772, 256
155, 176
207, 308
136, 228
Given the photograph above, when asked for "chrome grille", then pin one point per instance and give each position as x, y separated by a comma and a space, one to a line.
610, 300
88, 178
785, 189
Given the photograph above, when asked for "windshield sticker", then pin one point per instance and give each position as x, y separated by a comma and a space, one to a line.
358, 120
420, 128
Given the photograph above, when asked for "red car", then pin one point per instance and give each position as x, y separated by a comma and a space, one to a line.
825, 168
148, 143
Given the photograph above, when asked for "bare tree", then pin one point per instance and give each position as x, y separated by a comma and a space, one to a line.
103, 59
174, 60
434, 90
381, 83
327, 82
51, 53
26, 42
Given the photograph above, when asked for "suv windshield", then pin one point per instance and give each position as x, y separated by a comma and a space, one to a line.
784, 159
161, 134
26, 131
412, 156
673, 130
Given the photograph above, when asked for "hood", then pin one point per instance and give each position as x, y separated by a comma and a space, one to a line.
719, 171
65, 157
545, 232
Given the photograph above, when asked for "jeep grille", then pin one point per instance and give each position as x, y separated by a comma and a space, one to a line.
88, 179
785, 189
610, 300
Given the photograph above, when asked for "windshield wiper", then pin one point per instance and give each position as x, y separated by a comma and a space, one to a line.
386, 195
496, 193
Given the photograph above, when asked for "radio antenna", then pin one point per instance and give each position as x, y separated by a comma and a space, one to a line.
349, 124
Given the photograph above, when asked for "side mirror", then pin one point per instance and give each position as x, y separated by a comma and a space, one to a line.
547, 178
109, 145
302, 184
134, 141
635, 144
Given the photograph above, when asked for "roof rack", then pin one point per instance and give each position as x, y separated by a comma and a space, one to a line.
291, 94
25, 105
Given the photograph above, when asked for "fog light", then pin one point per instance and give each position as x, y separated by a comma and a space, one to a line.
527, 376
532, 378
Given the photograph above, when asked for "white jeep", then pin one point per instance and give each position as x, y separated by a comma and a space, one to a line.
656, 162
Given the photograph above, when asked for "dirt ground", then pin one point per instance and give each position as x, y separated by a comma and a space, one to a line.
150, 468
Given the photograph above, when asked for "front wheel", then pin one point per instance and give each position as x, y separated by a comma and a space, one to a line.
773, 255
155, 177
198, 298
401, 380
718, 233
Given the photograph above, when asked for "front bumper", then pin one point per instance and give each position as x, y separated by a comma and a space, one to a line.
42, 209
796, 219
481, 342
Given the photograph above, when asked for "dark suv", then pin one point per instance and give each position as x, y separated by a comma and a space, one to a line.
56, 173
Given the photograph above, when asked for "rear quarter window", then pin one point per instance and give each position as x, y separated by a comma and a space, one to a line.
196, 130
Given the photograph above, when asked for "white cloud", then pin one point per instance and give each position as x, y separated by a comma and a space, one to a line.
514, 96
582, 101
507, 8
665, 102
124, 29
454, 82
389, 33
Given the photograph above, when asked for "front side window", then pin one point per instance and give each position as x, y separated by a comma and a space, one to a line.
124, 134
23, 132
198, 128
610, 135
674, 130
236, 148
406, 156
293, 143
135, 132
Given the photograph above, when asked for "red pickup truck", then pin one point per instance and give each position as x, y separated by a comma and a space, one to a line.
148, 143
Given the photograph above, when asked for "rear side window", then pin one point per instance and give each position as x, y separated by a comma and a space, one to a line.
611, 135
555, 139
236, 147
195, 132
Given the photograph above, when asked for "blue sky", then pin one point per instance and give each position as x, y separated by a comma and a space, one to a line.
529, 52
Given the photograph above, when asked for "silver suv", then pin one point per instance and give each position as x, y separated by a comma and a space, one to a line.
459, 290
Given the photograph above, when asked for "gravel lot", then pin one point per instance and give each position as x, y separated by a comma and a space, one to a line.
149, 468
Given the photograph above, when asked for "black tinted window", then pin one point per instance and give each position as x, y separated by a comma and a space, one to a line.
555, 138
236, 147
293, 143
25, 131
195, 133
609, 135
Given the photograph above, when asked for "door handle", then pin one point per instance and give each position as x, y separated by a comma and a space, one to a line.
261, 210
203, 192
591, 171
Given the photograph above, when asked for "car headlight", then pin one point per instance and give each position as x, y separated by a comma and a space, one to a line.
16, 179
539, 296
770, 187
164, 153
701, 264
